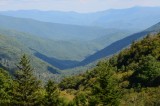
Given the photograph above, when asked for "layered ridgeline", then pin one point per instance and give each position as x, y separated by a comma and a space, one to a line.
58, 53
47, 55
130, 18
55, 43
129, 78
51, 30
10, 52
119, 45
64, 46
78, 36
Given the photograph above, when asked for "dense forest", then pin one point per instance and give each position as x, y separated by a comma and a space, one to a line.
130, 78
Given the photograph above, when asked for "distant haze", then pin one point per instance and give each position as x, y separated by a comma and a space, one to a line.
74, 5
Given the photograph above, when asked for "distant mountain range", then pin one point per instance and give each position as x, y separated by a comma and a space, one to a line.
55, 40
53, 31
130, 18
63, 40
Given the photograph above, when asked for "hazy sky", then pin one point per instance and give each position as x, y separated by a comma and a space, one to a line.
74, 5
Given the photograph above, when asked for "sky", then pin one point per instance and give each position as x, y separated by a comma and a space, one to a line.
74, 5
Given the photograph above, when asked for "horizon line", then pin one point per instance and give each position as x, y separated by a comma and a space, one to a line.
42, 10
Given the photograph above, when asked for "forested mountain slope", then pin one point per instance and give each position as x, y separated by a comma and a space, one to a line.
62, 39
133, 73
129, 78
10, 52
120, 44
52, 48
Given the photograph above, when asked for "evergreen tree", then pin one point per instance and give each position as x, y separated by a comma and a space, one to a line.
105, 91
5, 88
147, 72
52, 94
26, 85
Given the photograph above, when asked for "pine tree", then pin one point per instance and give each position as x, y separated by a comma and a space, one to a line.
26, 84
105, 91
5, 88
52, 94
147, 72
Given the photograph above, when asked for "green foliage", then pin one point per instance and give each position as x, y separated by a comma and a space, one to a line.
71, 82
52, 94
105, 85
147, 72
5, 88
105, 89
81, 99
109, 82
143, 57
10, 52
26, 84
145, 97
130, 57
